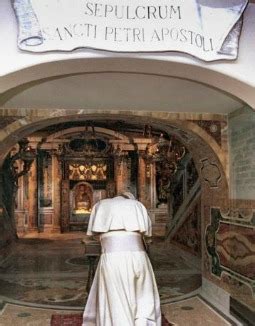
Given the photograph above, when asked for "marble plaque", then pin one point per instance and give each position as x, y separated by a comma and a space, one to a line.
197, 27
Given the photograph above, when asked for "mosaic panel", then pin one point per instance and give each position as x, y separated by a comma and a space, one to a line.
236, 248
232, 249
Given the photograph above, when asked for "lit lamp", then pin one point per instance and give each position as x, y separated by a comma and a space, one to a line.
167, 153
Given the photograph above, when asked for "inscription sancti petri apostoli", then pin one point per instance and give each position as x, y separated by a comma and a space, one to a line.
131, 26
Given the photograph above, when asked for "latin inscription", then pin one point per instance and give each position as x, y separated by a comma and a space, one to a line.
129, 26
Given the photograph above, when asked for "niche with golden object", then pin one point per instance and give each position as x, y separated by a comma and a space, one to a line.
82, 200
88, 171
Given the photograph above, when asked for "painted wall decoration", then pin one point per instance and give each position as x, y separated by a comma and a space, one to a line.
132, 26
231, 248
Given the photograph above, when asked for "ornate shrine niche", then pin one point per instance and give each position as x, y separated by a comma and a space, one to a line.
82, 198
80, 163
87, 167
111, 155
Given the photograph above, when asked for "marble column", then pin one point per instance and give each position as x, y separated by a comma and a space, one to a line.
19, 207
121, 174
65, 205
153, 187
117, 175
33, 198
142, 182
57, 177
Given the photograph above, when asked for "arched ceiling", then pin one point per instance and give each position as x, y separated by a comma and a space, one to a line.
122, 91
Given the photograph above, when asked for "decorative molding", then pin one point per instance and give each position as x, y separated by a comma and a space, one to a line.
5, 121
212, 127
210, 172
242, 215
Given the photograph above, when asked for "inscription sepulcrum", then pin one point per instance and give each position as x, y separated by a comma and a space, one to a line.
98, 9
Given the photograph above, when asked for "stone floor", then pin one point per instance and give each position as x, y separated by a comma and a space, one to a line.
44, 274
189, 312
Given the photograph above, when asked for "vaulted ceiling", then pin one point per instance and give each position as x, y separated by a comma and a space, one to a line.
122, 91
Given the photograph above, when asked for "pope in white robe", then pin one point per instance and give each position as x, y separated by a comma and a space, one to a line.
124, 290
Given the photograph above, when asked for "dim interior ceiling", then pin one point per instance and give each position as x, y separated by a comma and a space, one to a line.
122, 91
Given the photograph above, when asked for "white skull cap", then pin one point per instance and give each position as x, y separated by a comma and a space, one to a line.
127, 195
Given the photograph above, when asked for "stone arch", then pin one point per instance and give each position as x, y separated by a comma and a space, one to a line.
43, 71
201, 145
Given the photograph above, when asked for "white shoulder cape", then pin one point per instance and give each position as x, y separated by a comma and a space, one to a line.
119, 213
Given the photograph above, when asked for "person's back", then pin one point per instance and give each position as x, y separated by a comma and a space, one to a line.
119, 213
124, 290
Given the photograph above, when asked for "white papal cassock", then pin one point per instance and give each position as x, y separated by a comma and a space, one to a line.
124, 290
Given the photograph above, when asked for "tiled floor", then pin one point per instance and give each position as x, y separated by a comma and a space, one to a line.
51, 272
193, 311
189, 312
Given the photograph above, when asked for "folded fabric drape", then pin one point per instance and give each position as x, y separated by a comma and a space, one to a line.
119, 213
124, 290
130, 241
